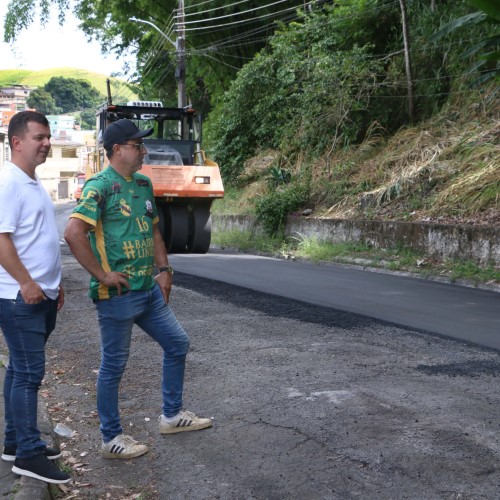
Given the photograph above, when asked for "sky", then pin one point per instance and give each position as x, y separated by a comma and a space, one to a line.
53, 46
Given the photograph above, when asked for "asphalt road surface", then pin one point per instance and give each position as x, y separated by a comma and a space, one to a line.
308, 401
459, 312
455, 311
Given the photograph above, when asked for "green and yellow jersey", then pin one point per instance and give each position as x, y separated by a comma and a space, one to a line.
121, 211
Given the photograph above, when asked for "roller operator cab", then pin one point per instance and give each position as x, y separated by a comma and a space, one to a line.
185, 181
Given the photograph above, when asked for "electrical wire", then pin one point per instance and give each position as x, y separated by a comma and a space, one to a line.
233, 14
214, 48
241, 36
187, 7
287, 18
241, 21
214, 9
221, 62
314, 60
152, 59
300, 85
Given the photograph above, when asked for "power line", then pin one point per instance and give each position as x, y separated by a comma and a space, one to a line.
233, 14
232, 42
214, 9
313, 60
243, 20
221, 62
198, 4
266, 28
240, 36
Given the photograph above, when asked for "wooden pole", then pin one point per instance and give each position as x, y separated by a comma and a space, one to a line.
409, 77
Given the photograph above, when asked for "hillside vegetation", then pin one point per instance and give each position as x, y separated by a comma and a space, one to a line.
445, 169
319, 120
119, 88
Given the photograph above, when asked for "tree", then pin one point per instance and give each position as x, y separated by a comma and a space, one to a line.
487, 50
42, 101
71, 94
87, 119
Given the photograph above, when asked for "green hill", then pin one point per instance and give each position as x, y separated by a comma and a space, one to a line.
119, 89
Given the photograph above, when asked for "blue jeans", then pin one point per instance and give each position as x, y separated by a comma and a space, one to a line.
116, 316
26, 328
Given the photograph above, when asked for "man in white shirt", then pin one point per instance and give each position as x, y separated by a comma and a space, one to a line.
30, 293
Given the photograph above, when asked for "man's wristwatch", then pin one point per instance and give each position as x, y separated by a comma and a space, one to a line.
166, 269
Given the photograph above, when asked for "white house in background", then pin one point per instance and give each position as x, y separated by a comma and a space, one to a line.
59, 172
61, 167
15, 94
67, 159
62, 126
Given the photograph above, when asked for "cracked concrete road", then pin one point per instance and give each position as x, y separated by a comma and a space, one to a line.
308, 403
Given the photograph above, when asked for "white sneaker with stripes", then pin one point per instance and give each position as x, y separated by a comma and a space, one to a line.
123, 446
184, 421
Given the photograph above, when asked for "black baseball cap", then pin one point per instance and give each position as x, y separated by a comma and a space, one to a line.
122, 131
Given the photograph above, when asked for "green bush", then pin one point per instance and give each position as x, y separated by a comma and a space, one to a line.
273, 208
278, 176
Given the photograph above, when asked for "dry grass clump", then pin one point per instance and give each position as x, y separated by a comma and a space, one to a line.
474, 191
337, 161
448, 165
411, 155
258, 166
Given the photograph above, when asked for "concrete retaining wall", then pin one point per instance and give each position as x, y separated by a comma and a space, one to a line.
475, 243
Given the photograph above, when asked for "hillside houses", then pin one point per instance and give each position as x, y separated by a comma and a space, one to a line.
16, 95
71, 148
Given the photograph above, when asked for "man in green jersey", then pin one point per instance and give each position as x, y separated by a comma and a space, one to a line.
113, 232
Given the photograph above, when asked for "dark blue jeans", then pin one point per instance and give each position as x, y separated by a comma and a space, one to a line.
117, 316
26, 328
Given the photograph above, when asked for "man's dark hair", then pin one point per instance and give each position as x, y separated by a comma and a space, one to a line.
18, 125
109, 153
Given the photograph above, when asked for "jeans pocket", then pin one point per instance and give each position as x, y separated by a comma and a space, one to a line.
119, 307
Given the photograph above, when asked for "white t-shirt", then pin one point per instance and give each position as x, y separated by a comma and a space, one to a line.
28, 214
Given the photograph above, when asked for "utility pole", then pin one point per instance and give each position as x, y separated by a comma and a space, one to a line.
180, 72
180, 52
409, 77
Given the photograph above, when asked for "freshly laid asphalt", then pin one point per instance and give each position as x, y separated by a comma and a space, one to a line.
460, 312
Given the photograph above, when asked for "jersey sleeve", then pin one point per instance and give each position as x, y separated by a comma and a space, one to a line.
91, 203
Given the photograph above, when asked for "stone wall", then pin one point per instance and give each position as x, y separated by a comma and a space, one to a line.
476, 243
